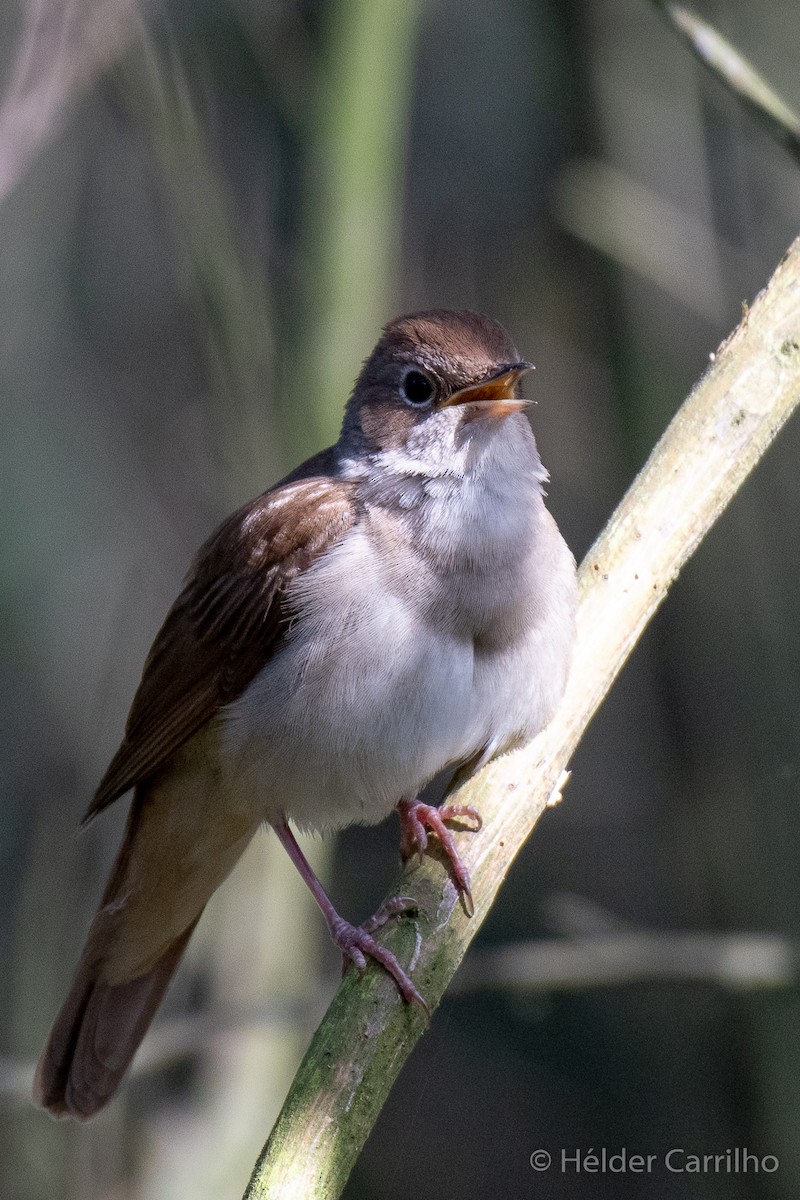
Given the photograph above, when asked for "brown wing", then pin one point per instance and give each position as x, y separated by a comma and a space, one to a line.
226, 622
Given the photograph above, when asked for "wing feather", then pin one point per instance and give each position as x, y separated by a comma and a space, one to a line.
226, 622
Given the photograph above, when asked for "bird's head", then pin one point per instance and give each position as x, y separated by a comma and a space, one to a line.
436, 381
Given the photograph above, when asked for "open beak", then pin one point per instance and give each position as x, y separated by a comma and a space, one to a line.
494, 396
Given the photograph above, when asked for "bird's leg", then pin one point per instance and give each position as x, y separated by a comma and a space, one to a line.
416, 818
355, 941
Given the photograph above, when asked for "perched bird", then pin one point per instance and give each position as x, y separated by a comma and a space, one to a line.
399, 604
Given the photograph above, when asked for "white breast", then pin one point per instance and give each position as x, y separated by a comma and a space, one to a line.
434, 632
359, 708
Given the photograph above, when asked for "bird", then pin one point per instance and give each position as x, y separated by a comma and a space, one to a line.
400, 605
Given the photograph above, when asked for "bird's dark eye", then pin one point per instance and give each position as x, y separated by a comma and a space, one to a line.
416, 388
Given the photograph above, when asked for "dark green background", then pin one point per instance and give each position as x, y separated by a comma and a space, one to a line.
192, 266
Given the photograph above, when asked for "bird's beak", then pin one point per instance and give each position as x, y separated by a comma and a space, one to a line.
494, 396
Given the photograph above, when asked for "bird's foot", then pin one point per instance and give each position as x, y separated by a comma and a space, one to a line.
416, 818
357, 944
355, 941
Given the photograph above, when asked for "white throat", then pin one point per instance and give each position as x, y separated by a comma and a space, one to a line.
444, 452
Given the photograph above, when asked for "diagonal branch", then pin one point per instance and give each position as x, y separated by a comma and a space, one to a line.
725, 426
733, 70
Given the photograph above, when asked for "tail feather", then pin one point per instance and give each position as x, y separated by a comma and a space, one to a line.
179, 845
97, 1033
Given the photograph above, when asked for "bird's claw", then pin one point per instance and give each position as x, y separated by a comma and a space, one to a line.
416, 818
357, 944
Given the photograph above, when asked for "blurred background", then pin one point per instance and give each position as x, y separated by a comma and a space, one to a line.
207, 210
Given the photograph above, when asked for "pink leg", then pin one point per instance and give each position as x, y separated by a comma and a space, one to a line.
417, 818
355, 941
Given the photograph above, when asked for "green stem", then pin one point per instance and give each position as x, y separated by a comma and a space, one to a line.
352, 231
712, 444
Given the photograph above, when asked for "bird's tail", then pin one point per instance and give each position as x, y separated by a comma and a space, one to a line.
179, 845
97, 1033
